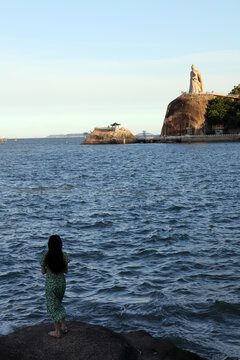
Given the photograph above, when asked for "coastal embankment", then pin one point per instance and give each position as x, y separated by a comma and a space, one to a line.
85, 341
193, 139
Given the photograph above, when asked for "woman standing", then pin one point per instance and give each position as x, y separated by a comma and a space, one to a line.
54, 264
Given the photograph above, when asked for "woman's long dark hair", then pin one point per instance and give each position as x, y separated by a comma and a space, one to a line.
54, 257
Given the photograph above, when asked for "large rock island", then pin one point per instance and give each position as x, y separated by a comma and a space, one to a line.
186, 114
87, 342
112, 134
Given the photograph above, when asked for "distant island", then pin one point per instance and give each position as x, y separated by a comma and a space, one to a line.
80, 135
146, 135
111, 134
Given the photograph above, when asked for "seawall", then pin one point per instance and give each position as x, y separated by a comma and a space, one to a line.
191, 139
199, 138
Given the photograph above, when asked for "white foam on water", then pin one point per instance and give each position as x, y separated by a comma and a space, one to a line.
6, 328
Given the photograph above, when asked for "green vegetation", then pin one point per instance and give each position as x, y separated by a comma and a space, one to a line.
235, 90
224, 111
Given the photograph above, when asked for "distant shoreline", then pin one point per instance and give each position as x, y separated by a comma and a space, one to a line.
81, 135
155, 139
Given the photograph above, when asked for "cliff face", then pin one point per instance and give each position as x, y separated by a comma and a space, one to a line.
105, 136
186, 111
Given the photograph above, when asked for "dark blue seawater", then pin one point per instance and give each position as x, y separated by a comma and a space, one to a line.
152, 231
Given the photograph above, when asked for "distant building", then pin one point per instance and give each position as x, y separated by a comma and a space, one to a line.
112, 127
115, 126
218, 129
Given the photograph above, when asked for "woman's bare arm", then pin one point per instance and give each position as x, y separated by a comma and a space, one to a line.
66, 269
43, 270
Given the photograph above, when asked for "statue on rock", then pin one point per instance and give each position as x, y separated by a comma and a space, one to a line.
196, 83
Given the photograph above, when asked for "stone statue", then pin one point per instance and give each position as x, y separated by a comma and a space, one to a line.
196, 83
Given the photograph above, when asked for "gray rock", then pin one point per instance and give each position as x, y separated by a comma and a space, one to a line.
87, 342
151, 348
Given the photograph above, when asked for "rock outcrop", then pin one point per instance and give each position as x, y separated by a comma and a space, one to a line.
110, 136
87, 342
186, 112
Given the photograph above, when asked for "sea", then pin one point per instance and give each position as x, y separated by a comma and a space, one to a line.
152, 231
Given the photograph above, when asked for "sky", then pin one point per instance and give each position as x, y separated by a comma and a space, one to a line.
69, 66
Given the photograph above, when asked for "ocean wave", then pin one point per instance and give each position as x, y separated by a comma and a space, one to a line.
152, 236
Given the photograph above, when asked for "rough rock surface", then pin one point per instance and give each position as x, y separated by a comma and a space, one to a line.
87, 342
110, 137
186, 111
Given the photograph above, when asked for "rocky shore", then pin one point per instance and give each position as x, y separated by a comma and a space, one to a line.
87, 342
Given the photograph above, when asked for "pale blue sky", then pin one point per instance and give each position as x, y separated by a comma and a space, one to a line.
68, 66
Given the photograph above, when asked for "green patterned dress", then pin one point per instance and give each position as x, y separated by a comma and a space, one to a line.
55, 286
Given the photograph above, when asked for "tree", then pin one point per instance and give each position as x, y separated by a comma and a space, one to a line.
235, 90
216, 112
225, 111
